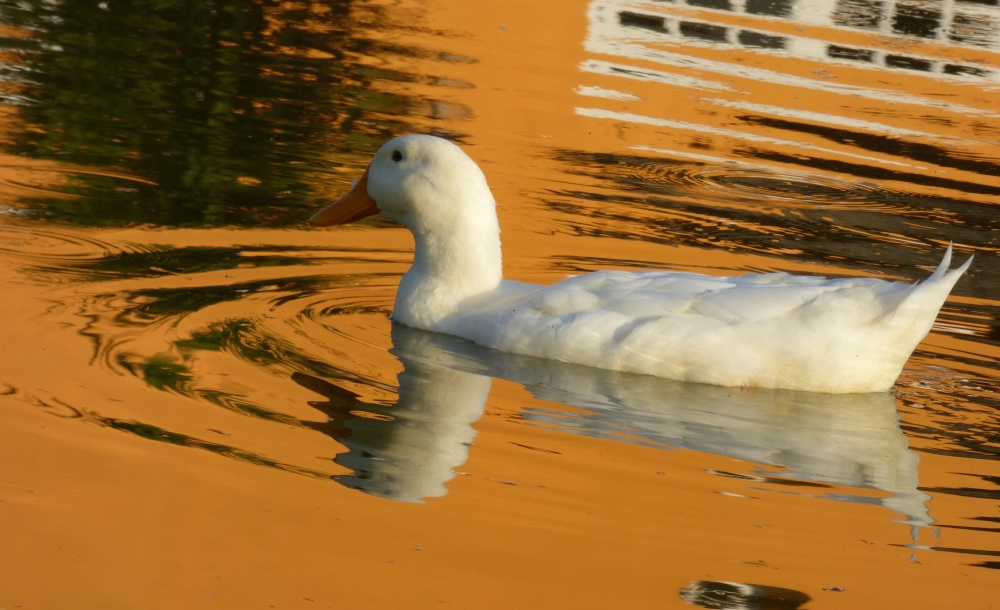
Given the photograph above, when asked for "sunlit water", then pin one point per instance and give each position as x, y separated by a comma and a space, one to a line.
178, 347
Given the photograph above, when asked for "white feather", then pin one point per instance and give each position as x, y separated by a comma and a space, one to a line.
770, 330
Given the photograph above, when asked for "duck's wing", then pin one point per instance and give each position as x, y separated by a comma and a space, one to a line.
725, 300
771, 330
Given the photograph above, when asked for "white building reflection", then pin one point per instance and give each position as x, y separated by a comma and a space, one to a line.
898, 24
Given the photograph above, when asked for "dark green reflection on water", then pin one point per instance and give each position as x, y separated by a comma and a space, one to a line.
158, 261
227, 107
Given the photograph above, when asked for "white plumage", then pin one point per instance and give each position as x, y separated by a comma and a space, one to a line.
769, 330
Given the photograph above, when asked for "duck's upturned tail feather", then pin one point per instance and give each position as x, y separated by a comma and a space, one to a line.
944, 271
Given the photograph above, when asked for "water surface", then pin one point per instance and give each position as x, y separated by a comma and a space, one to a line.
204, 402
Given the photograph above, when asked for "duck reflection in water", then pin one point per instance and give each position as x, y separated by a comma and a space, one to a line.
410, 450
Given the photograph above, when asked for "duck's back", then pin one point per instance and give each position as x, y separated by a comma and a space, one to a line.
769, 330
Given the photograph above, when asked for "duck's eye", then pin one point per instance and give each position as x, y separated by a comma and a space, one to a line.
397, 156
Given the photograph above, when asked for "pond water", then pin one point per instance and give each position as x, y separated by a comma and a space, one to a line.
204, 403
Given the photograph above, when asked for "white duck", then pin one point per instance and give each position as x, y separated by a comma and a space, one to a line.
769, 330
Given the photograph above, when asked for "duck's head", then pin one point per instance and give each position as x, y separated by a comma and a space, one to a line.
418, 181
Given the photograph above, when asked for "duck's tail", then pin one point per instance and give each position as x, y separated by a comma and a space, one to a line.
943, 271
910, 316
915, 315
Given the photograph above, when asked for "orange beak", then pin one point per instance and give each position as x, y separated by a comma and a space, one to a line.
355, 205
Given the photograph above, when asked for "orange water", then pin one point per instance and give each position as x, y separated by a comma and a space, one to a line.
222, 417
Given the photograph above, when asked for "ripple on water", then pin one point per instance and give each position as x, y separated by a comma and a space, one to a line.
177, 333
29, 181
341, 329
48, 182
786, 189
59, 245
230, 343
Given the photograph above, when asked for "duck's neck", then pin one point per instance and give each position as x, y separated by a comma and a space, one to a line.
451, 263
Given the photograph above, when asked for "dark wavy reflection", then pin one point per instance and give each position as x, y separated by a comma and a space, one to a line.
159, 434
939, 155
187, 112
778, 213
